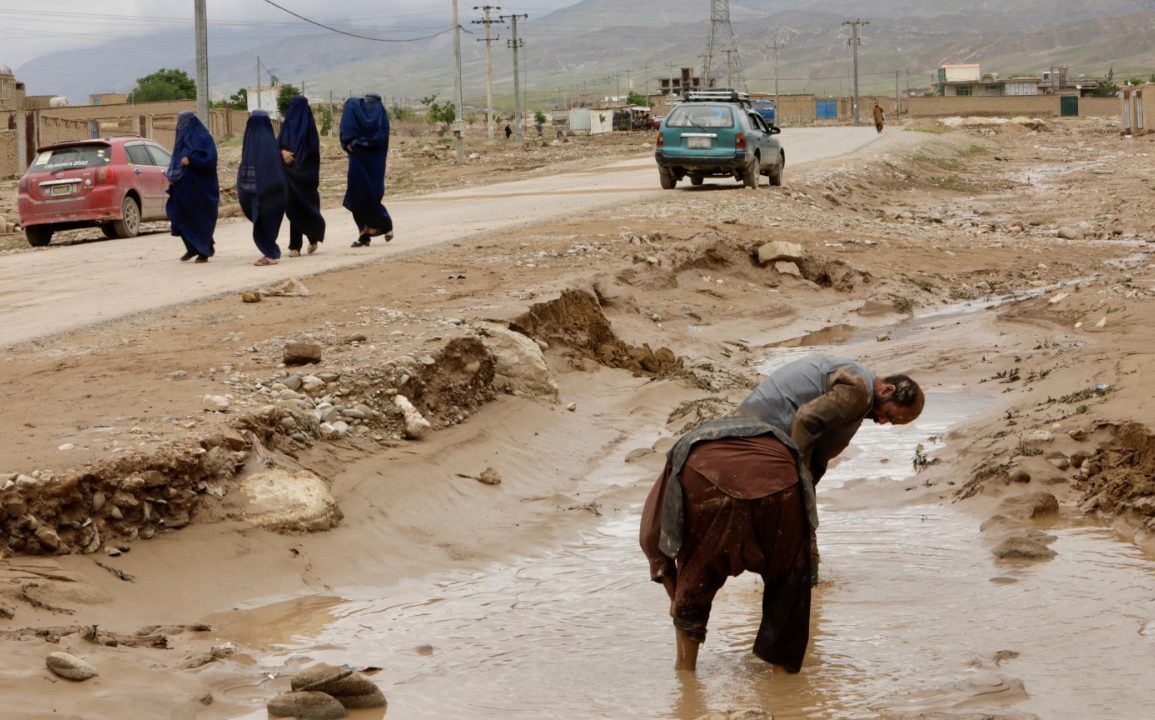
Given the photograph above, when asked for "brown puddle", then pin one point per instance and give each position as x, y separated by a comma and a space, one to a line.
915, 617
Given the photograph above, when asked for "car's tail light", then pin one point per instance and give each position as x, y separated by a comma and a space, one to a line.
740, 140
106, 176
660, 141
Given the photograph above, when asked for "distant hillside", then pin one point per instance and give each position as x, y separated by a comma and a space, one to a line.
598, 47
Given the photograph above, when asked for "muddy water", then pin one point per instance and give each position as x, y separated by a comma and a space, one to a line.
913, 614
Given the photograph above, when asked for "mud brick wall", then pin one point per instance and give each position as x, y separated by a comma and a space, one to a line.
54, 130
1044, 105
7, 153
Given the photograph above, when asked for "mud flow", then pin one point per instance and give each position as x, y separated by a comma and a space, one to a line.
909, 598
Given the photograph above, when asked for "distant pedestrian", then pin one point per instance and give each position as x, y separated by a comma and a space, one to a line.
878, 116
508, 131
540, 129
365, 138
261, 185
193, 189
301, 153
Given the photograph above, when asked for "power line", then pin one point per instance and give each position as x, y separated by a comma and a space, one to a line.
355, 35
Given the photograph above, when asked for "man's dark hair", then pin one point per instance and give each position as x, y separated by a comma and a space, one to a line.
906, 391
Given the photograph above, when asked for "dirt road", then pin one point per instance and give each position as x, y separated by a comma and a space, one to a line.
64, 288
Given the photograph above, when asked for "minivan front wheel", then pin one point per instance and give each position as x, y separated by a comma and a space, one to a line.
38, 235
129, 223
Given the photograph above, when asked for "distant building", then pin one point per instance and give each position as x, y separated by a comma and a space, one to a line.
265, 99
970, 81
682, 83
108, 98
11, 90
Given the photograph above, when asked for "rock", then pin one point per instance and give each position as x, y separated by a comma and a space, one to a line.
489, 476
356, 338
1078, 458
1039, 436
1029, 505
416, 426
312, 384
69, 667
883, 337
373, 699
284, 502
1059, 460
309, 705
215, 403
786, 267
780, 250
637, 454
251, 297
1022, 548
292, 382
572, 407
519, 365
354, 691
301, 353
743, 714
1068, 233
1019, 475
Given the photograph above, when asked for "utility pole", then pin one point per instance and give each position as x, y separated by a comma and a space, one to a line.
777, 113
515, 43
897, 100
458, 140
855, 41
258, 82
202, 37
488, 65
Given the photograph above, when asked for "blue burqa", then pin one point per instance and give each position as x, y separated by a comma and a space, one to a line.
194, 192
261, 183
365, 137
303, 174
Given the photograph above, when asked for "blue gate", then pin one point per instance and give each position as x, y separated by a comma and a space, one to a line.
826, 109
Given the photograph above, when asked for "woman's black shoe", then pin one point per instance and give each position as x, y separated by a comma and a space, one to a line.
202, 258
188, 256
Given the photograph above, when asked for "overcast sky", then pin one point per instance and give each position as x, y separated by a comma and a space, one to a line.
29, 28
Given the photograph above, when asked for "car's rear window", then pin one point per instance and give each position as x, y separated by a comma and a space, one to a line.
72, 156
700, 116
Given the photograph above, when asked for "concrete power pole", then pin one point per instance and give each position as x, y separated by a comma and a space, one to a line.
458, 140
202, 38
488, 40
777, 112
515, 43
855, 41
897, 97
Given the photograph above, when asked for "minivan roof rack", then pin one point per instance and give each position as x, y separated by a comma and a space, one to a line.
718, 95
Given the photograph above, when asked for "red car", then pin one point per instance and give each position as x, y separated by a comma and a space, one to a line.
114, 183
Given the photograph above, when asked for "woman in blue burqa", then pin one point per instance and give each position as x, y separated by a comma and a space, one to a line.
193, 190
261, 185
301, 153
365, 137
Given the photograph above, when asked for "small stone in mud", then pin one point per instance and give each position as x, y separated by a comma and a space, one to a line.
215, 403
333, 681
1029, 505
251, 297
1078, 458
306, 706
571, 407
1019, 475
301, 353
69, 667
637, 454
1023, 548
489, 476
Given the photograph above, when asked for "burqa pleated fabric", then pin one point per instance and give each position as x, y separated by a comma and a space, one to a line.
365, 137
303, 174
261, 183
193, 191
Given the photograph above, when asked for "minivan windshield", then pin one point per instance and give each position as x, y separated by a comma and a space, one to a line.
701, 116
72, 156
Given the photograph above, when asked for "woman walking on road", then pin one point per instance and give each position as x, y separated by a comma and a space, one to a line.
261, 185
301, 153
365, 138
193, 188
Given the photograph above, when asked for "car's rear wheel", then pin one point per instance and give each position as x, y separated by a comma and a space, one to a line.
129, 223
695, 179
753, 172
109, 229
667, 179
38, 235
776, 174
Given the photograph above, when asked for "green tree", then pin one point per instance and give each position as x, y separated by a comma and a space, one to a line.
326, 113
539, 117
400, 113
436, 112
636, 98
239, 99
1108, 87
164, 84
284, 95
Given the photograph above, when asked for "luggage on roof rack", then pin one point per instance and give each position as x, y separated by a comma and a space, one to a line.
718, 95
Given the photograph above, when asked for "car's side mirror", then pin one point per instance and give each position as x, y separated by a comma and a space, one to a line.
774, 129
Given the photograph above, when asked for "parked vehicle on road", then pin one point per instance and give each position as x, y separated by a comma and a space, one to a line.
716, 133
767, 109
114, 183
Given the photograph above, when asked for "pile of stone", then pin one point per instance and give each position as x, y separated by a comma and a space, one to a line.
324, 692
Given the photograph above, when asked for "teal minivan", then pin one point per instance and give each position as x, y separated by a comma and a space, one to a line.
716, 133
